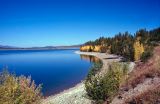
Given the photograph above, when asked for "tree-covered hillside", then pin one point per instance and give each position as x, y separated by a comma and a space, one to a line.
130, 46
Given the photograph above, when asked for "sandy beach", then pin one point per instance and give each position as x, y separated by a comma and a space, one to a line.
77, 94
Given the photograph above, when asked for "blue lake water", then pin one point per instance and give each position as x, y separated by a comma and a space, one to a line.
57, 70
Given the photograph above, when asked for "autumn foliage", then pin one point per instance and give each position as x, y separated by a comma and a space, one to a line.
138, 49
18, 90
94, 48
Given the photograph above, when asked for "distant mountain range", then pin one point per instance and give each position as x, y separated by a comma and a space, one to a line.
6, 47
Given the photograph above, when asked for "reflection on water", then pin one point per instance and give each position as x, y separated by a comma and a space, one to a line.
89, 58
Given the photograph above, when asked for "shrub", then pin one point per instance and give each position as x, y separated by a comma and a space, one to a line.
102, 88
147, 54
18, 90
94, 69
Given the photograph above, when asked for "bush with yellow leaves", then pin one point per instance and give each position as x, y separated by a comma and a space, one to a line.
18, 90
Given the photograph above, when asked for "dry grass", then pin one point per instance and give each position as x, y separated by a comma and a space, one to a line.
142, 71
151, 96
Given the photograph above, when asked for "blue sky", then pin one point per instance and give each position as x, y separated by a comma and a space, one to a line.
27, 23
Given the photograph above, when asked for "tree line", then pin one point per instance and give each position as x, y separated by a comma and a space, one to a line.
132, 47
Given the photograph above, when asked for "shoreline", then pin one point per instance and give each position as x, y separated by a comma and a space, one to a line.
77, 94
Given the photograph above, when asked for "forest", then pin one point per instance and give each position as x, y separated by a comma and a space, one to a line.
132, 47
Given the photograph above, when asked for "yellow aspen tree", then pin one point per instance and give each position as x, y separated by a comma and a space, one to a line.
87, 48
138, 50
97, 48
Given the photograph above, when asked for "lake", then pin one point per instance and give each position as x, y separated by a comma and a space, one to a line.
56, 70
